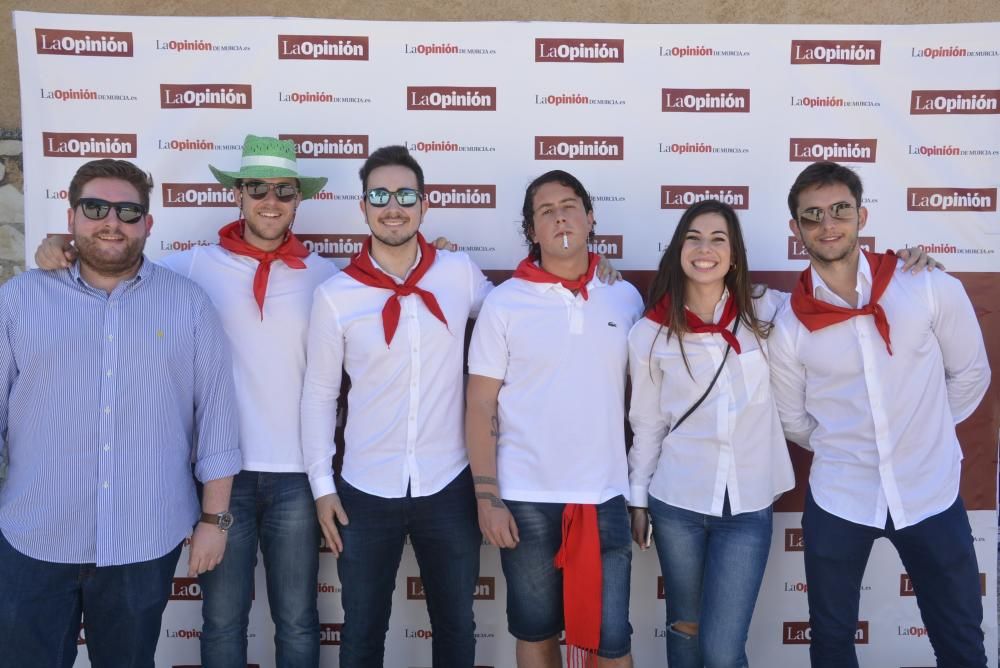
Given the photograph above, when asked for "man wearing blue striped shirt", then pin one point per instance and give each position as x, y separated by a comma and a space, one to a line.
260, 279
116, 375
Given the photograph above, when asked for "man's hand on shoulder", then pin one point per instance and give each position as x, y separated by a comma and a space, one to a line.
442, 243
916, 260
55, 252
208, 544
606, 271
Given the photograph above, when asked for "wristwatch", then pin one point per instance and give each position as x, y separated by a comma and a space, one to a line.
223, 520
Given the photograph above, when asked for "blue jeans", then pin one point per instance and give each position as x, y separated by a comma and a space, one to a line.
276, 510
535, 585
938, 555
41, 604
712, 569
444, 531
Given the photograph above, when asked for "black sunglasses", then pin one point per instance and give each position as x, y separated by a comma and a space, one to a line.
405, 197
285, 192
98, 209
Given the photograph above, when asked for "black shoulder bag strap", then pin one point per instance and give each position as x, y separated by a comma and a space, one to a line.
710, 385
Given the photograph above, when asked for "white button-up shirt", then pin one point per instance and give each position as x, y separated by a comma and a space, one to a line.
269, 353
882, 426
733, 441
405, 424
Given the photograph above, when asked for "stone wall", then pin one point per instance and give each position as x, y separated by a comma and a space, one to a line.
11, 204
11, 218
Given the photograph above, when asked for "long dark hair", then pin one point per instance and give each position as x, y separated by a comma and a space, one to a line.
670, 279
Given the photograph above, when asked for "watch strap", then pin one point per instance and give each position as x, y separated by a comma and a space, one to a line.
223, 520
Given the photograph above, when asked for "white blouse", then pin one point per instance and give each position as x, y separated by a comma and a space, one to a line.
733, 441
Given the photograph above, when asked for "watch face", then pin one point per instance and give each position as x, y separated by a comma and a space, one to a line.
225, 521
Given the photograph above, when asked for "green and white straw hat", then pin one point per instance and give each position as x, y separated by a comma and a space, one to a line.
269, 158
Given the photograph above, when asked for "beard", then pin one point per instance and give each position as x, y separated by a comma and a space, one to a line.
394, 242
109, 261
832, 255
264, 232
394, 238
265, 235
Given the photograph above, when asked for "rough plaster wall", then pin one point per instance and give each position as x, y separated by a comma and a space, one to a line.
11, 205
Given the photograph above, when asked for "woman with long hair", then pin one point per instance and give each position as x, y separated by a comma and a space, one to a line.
709, 456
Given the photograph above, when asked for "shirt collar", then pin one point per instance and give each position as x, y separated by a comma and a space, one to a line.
409, 271
721, 306
594, 282
864, 285
146, 270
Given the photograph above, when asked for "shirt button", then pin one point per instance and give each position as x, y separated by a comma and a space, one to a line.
109, 373
110, 338
107, 447
106, 484
107, 410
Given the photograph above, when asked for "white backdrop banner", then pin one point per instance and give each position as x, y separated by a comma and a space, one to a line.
650, 117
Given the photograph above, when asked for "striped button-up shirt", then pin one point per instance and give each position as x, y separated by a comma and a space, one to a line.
107, 401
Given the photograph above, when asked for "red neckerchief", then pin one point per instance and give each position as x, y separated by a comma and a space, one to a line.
580, 558
364, 271
661, 314
816, 314
530, 271
290, 252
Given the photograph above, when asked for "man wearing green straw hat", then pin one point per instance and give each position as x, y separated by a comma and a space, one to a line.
260, 278
269, 158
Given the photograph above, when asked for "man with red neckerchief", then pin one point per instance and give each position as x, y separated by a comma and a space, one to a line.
395, 320
887, 462
261, 279
544, 430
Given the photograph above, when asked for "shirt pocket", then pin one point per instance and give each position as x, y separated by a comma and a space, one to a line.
756, 376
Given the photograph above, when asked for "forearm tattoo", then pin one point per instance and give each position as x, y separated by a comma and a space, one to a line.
484, 480
492, 498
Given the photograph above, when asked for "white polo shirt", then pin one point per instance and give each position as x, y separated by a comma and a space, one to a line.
269, 355
733, 441
563, 363
882, 427
406, 402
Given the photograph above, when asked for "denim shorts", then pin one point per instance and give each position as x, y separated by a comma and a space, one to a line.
535, 585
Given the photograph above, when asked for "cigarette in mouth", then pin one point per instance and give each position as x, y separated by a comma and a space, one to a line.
565, 241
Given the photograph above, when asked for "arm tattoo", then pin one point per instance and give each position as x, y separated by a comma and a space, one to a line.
492, 498
484, 480
494, 427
